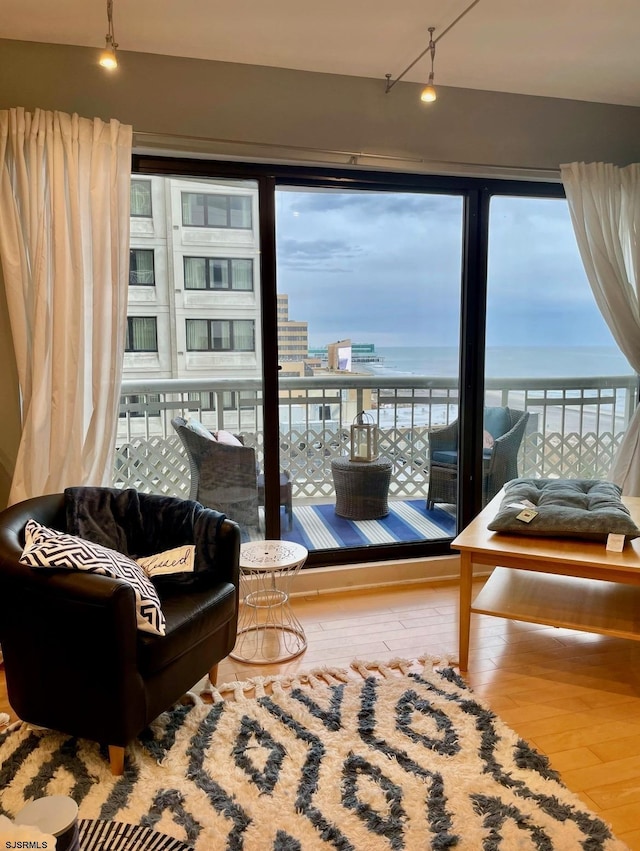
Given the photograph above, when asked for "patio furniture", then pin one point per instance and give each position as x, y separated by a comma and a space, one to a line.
74, 658
225, 477
361, 487
506, 428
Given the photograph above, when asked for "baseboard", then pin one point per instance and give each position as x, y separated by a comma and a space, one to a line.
358, 577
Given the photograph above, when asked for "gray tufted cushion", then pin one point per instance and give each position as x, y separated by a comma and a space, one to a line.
567, 508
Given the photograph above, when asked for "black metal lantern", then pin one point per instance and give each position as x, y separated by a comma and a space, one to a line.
364, 438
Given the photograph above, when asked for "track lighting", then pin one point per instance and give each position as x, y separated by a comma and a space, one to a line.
108, 58
428, 94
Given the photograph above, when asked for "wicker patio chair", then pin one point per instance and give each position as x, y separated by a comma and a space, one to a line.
500, 461
225, 477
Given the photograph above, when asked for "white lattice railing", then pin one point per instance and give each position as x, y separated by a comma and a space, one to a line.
574, 428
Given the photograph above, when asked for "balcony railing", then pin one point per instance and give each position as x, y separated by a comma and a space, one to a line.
575, 427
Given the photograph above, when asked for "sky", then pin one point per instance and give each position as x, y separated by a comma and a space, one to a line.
385, 268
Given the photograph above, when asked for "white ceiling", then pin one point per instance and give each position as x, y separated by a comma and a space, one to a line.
579, 49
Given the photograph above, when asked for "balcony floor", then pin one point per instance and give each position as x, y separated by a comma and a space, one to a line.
317, 527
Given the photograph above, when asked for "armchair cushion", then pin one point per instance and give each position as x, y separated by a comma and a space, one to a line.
49, 548
191, 617
573, 508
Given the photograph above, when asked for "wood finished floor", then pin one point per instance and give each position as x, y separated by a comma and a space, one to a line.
574, 696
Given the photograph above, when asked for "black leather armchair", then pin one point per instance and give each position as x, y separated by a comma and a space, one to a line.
74, 659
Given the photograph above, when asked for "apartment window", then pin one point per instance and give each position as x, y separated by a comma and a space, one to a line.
141, 267
140, 406
218, 273
141, 198
208, 210
220, 335
142, 334
205, 400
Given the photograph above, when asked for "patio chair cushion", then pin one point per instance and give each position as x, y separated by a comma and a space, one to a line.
496, 421
566, 508
444, 456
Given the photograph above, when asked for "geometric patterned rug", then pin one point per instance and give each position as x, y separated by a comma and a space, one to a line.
318, 527
395, 757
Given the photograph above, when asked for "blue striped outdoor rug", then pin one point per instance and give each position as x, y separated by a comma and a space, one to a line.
317, 527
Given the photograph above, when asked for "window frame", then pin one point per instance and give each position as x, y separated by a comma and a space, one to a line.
150, 251
130, 335
205, 206
209, 283
211, 335
141, 182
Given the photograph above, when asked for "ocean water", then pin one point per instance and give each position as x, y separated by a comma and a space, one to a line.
504, 362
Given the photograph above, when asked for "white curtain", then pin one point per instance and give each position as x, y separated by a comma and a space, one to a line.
604, 201
64, 248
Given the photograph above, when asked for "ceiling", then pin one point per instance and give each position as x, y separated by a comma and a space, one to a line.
579, 49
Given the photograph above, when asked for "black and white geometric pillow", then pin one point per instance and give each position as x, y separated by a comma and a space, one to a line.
46, 547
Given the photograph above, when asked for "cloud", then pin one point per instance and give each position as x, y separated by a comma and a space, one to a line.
373, 204
316, 255
386, 266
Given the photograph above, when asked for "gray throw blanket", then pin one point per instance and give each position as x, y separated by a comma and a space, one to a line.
140, 524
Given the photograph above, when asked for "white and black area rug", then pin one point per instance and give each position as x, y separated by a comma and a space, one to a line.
387, 759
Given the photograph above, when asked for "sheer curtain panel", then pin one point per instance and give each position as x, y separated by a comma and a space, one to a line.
64, 248
604, 201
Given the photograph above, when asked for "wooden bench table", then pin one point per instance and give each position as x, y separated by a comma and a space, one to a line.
562, 582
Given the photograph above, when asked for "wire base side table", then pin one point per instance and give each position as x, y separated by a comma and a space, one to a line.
268, 630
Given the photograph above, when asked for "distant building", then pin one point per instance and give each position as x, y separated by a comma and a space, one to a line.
293, 337
360, 353
194, 283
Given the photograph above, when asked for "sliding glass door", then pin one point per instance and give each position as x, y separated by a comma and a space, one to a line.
368, 303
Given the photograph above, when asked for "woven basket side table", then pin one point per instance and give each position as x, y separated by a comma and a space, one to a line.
362, 488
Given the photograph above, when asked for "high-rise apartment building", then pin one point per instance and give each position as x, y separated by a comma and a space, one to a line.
194, 283
194, 280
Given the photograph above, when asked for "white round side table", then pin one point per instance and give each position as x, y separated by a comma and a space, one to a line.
268, 630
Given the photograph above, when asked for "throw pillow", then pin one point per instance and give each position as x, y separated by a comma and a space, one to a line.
176, 560
46, 547
487, 440
226, 437
197, 428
